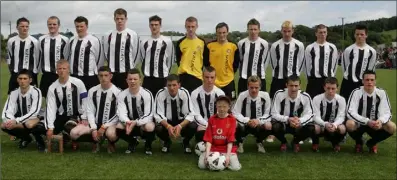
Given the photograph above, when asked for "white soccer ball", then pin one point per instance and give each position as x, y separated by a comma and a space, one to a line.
216, 161
200, 148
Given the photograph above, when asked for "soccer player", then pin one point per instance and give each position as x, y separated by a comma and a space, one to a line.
86, 54
252, 111
191, 55
135, 106
224, 57
357, 58
66, 102
369, 111
292, 112
101, 111
253, 56
121, 49
329, 115
23, 53
157, 54
21, 110
321, 61
53, 47
286, 58
174, 114
219, 136
203, 99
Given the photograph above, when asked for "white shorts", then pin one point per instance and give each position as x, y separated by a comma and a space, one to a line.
234, 164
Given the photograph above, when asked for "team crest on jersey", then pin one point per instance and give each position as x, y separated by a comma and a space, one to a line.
198, 48
228, 51
219, 131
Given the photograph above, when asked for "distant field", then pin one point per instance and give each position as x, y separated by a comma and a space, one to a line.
393, 34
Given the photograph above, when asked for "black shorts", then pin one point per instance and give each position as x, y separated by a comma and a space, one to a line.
315, 86
120, 80
59, 123
276, 85
153, 84
347, 87
230, 90
190, 82
47, 78
243, 85
13, 83
89, 81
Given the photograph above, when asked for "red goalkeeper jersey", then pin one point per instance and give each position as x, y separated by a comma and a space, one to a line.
220, 132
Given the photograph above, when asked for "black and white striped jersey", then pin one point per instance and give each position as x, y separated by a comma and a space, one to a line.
174, 109
86, 55
157, 56
247, 107
52, 49
356, 60
22, 107
331, 111
204, 103
287, 58
283, 107
363, 106
253, 57
69, 99
138, 107
321, 60
23, 54
121, 50
102, 106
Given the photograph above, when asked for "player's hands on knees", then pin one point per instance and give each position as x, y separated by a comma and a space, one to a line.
101, 131
177, 130
373, 124
94, 135
129, 126
11, 124
330, 127
170, 130
49, 133
378, 124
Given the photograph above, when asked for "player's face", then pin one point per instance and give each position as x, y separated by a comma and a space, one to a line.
104, 77
23, 28
293, 88
191, 28
321, 34
369, 81
155, 27
360, 36
173, 87
120, 20
254, 88
53, 26
253, 31
222, 107
221, 34
287, 32
330, 89
24, 80
209, 78
133, 81
63, 70
81, 28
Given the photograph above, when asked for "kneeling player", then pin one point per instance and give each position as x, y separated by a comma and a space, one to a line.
292, 111
21, 110
219, 136
252, 111
101, 110
329, 115
369, 110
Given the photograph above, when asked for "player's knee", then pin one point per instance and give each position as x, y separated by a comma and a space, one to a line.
200, 128
235, 167
268, 126
3, 125
240, 127
317, 129
192, 125
74, 133
342, 129
390, 127
350, 125
30, 125
201, 163
149, 127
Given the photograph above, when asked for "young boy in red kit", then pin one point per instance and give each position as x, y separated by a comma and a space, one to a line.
219, 136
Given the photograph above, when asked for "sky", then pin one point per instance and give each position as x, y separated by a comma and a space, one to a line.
236, 14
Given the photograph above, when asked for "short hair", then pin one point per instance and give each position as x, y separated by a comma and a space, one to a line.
208, 69
22, 19
134, 71
25, 72
155, 18
223, 98
221, 25
361, 27
369, 72
331, 80
253, 21
62, 61
80, 19
105, 68
287, 24
191, 19
55, 17
293, 78
320, 26
254, 79
120, 11
173, 77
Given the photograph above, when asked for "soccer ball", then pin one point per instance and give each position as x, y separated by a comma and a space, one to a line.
200, 148
216, 161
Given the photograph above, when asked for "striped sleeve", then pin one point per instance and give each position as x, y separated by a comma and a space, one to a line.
276, 107
341, 114
307, 114
237, 109
188, 108
199, 119
9, 108
384, 107
35, 107
51, 109
159, 114
148, 109
266, 117
91, 109
122, 110
352, 108
316, 110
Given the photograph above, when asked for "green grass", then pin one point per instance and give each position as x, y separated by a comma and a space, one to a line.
393, 33
29, 164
